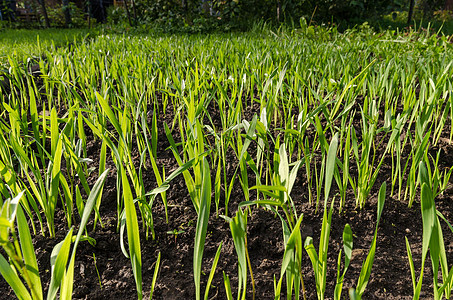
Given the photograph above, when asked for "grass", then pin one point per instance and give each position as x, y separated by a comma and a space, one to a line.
22, 45
333, 108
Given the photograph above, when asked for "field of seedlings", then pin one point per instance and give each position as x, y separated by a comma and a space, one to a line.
305, 164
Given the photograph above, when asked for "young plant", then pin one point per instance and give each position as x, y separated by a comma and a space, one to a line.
433, 242
282, 185
201, 230
368, 263
367, 171
202, 226
319, 260
347, 246
193, 150
46, 190
156, 272
238, 227
292, 263
21, 254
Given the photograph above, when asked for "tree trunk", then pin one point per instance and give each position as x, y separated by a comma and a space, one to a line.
88, 7
42, 3
411, 12
67, 14
134, 11
448, 5
101, 5
127, 13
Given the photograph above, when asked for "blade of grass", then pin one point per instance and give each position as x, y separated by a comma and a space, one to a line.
202, 226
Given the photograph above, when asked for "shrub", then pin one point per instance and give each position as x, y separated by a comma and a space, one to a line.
56, 16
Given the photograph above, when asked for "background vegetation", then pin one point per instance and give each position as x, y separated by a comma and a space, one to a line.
226, 15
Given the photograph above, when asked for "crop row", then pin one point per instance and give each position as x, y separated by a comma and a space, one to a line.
333, 108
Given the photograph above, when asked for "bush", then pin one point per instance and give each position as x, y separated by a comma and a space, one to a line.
116, 15
444, 16
56, 16
227, 15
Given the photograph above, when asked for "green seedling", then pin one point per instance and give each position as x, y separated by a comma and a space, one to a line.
175, 233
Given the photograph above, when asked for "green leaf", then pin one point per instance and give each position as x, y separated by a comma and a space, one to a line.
368, 264
133, 236
283, 168
202, 226
238, 225
213, 268
428, 216
53, 131
226, 281
292, 256
28, 252
347, 246
58, 261
411, 263
261, 188
13, 280
156, 271
330, 167
108, 111
423, 173
260, 202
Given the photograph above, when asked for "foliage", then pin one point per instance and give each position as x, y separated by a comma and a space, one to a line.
443, 15
57, 19
194, 16
375, 97
116, 15
225, 15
